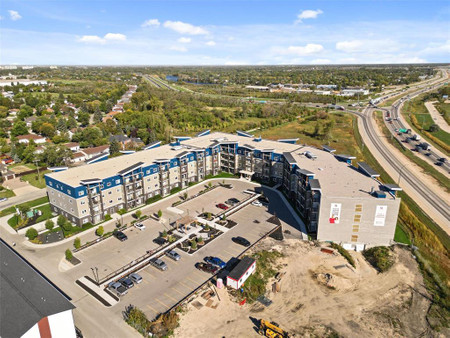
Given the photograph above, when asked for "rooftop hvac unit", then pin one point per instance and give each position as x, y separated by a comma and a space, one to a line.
310, 155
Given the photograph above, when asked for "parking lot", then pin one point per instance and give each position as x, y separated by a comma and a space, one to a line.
160, 290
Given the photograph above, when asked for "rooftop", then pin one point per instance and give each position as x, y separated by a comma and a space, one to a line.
26, 295
245, 263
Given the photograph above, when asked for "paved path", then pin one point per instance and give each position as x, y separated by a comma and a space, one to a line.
437, 117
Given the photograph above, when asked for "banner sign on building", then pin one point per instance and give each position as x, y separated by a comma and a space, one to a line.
335, 213
380, 215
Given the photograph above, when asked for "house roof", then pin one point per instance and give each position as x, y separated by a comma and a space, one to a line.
30, 137
240, 269
26, 295
95, 150
71, 144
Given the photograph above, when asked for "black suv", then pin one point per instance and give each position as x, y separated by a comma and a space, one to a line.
241, 241
120, 236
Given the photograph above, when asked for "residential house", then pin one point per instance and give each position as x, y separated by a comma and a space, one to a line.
26, 138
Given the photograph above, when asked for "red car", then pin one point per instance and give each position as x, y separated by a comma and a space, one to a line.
222, 206
206, 267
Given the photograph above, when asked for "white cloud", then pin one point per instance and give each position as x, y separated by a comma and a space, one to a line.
95, 39
359, 46
115, 37
308, 14
184, 40
320, 62
179, 49
210, 43
185, 28
14, 15
151, 23
309, 49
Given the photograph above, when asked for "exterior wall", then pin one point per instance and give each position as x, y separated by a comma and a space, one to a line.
357, 218
237, 284
33, 332
62, 325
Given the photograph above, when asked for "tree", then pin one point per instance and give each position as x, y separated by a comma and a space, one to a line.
114, 147
61, 125
194, 244
100, 231
98, 117
83, 118
164, 234
47, 129
71, 123
31, 233
138, 214
23, 209
19, 128
77, 243
49, 224
69, 255
434, 128
67, 226
159, 213
61, 220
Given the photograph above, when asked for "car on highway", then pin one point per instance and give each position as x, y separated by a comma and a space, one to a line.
241, 240
3, 199
174, 255
120, 236
135, 277
206, 267
232, 201
442, 159
117, 288
222, 206
139, 226
127, 282
257, 203
215, 261
159, 264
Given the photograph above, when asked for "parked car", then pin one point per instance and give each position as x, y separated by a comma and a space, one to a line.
3, 199
257, 203
206, 267
159, 264
232, 201
135, 277
127, 282
160, 240
117, 288
120, 236
139, 226
215, 261
174, 255
241, 240
222, 206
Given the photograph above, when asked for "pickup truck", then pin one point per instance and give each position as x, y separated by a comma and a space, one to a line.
117, 288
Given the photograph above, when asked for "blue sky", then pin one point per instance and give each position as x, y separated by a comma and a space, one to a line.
211, 32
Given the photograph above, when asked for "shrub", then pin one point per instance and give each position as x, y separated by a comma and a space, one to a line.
172, 239
200, 240
121, 211
194, 244
159, 213
380, 258
185, 196
77, 243
344, 253
67, 226
108, 217
164, 234
61, 221
138, 214
31, 233
100, 231
69, 254
208, 215
209, 184
153, 199
207, 227
49, 224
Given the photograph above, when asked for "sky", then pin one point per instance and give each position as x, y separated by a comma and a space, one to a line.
212, 32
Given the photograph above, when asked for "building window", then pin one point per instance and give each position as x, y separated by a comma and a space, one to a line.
50, 183
85, 221
119, 199
109, 192
69, 192
83, 202
70, 200
354, 238
357, 219
80, 193
117, 181
355, 228
358, 208
108, 184
110, 201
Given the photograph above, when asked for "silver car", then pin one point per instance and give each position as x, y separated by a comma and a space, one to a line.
174, 255
136, 278
159, 264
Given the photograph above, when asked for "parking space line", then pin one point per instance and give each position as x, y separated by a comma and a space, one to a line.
198, 273
193, 281
232, 254
168, 296
162, 303
177, 291
187, 286
148, 273
156, 312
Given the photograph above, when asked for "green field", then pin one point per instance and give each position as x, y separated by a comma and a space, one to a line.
36, 180
31, 204
401, 236
7, 193
444, 108
46, 214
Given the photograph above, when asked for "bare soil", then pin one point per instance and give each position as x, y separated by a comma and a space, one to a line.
322, 296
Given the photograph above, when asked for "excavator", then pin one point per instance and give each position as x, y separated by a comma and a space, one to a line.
271, 330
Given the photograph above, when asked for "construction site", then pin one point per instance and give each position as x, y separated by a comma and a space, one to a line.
313, 291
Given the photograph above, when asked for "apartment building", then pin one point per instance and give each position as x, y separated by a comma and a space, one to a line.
337, 200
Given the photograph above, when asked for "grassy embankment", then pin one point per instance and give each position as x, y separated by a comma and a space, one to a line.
440, 178
417, 115
444, 109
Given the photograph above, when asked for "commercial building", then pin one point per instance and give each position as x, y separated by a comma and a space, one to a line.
337, 201
31, 306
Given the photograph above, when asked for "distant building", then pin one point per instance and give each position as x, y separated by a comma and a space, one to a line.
73, 146
31, 305
29, 120
27, 138
354, 91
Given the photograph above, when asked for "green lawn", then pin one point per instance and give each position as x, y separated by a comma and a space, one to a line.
7, 193
36, 180
46, 214
401, 236
11, 210
28, 165
444, 108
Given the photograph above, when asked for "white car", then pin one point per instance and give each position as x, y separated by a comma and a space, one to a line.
3, 199
257, 203
140, 226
